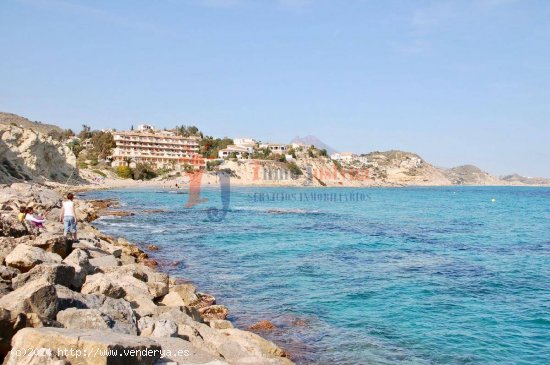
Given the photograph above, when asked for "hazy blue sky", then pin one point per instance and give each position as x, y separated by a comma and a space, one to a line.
465, 81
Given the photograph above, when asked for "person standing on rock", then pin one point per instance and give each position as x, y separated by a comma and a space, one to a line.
68, 217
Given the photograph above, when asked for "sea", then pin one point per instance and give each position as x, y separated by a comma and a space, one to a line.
420, 275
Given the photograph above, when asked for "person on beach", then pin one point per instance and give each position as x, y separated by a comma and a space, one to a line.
34, 220
68, 217
22, 214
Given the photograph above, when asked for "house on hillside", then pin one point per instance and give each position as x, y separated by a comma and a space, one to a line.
237, 151
275, 147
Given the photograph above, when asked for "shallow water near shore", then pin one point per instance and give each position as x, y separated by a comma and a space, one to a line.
365, 276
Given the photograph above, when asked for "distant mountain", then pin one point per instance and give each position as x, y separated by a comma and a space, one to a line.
516, 178
470, 175
312, 140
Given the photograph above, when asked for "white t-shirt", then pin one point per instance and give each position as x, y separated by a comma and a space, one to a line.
68, 206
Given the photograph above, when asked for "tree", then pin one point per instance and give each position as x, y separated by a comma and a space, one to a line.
85, 133
143, 172
103, 143
132, 127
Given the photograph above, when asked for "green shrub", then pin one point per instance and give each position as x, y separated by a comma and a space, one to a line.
101, 173
124, 172
295, 170
143, 172
82, 165
210, 165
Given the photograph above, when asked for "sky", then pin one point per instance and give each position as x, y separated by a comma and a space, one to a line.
456, 81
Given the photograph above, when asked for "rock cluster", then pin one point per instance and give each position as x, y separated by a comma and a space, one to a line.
97, 301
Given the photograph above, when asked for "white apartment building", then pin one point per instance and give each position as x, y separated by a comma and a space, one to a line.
157, 149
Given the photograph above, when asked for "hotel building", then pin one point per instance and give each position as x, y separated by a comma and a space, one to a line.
160, 149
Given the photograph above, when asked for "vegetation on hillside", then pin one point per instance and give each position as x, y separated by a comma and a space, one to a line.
210, 146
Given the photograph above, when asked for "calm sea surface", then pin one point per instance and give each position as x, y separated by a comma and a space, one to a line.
365, 276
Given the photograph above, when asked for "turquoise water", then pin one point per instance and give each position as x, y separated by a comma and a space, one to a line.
394, 276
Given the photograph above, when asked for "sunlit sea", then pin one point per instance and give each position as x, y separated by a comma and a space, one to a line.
452, 275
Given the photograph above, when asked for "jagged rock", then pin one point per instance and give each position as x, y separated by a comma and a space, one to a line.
102, 284
105, 261
220, 324
7, 244
80, 261
83, 319
179, 351
37, 296
11, 227
53, 243
5, 287
187, 292
8, 273
172, 300
118, 310
9, 325
262, 326
53, 273
157, 328
157, 283
205, 300
24, 257
214, 312
248, 348
94, 343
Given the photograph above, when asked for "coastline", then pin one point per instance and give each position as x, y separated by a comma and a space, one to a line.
164, 310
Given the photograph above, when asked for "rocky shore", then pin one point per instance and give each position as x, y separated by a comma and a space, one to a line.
101, 301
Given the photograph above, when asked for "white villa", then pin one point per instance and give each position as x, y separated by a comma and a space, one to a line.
347, 157
275, 147
244, 142
238, 151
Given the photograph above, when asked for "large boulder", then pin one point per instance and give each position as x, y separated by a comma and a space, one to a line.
187, 292
105, 261
102, 284
157, 328
25, 257
136, 291
8, 273
37, 297
79, 259
53, 273
7, 244
213, 312
157, 283
122, 317
86, 347
11, 227
178, 351
91, 319
54, 243
9, 325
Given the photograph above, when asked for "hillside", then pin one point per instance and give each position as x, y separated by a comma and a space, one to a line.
518, 179
16, 120
27, 154
470, 175
405, 168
